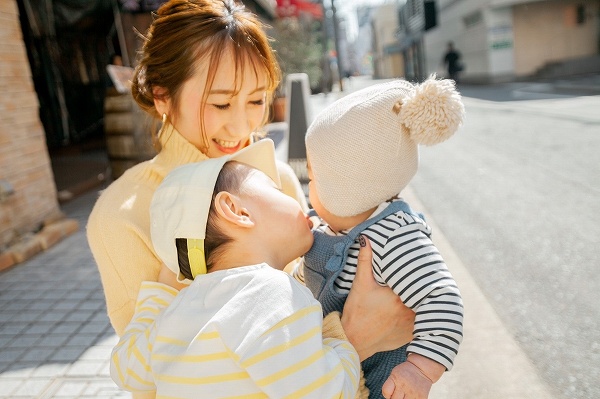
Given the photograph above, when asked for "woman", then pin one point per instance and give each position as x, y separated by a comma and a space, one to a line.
212, 96
207, 71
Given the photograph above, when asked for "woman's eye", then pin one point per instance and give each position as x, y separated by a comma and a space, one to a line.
221, 106
258, 102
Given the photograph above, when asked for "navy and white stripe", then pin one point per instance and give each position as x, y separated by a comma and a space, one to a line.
405, 259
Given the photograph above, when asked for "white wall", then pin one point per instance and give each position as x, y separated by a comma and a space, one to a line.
500, 41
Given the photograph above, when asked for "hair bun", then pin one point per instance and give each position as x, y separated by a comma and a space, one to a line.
433, 111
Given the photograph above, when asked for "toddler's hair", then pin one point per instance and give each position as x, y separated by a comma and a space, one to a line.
230, 179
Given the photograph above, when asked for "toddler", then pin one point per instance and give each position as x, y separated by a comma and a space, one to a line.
243, 328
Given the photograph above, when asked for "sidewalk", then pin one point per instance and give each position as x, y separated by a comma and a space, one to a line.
55, 338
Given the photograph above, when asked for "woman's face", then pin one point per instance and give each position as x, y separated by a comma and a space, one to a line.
279, 218
230, 116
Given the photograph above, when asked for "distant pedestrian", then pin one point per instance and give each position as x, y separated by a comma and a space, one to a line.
452, 62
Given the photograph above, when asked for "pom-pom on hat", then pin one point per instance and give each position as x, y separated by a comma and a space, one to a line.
363, 148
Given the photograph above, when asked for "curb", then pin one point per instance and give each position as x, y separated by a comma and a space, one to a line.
32, 244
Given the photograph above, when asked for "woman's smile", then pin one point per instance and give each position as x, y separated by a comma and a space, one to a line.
227, 147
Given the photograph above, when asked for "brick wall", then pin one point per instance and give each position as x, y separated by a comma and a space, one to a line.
24, 162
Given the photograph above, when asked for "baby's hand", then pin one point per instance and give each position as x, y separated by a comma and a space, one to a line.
407, 382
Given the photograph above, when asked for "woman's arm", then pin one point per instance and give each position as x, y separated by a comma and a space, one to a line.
118, 235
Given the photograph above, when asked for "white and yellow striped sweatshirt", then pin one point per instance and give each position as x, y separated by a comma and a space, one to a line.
248, 332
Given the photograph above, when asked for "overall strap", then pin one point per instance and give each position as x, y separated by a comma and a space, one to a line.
393, 207
340, 250
326, 258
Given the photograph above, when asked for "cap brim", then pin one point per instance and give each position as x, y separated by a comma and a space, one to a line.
260, 155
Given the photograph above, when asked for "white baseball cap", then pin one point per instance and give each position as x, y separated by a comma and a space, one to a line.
181, 203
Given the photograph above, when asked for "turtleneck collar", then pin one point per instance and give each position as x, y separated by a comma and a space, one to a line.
176, 150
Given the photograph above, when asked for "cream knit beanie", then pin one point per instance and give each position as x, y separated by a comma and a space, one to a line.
363, 148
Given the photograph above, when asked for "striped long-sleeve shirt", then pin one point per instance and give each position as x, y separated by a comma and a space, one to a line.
249, 332
405, 259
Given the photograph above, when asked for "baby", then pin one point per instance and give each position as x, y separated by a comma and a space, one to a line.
362, 152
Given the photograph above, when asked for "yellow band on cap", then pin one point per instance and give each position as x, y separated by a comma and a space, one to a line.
196, 256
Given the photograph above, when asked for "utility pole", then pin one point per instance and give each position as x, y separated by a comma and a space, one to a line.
336, 34
325, 65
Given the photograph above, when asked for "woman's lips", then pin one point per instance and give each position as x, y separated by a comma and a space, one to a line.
227, 147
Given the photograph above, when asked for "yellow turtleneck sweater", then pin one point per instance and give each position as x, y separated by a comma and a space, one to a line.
118, 229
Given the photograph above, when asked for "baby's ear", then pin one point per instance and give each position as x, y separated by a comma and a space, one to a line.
229, 207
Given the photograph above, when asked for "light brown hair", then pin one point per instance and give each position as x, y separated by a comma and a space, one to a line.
185, 32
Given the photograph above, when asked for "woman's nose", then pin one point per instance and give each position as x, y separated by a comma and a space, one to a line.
239, 125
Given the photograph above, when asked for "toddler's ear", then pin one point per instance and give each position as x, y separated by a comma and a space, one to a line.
229, 208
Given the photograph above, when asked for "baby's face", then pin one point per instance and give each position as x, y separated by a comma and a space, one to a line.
279, 218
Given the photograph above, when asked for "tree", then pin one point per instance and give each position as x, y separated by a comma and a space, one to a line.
298, 49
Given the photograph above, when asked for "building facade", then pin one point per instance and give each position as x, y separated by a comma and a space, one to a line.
28, 198
387, 58
503, 40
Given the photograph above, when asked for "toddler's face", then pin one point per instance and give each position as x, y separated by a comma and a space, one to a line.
279, 218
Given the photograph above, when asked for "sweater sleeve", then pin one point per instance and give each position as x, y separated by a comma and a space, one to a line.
413, 267
295, 346
130, 358
118, 235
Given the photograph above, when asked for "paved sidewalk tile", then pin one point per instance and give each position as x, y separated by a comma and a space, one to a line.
55, 337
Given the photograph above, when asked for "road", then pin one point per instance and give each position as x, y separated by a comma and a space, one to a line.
516, 193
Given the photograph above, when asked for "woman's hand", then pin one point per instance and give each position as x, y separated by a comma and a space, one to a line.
374, 318
166, 276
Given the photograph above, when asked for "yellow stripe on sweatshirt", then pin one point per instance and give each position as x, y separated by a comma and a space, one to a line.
324, 380
296, 316
231, 377
294, 368
191, 358
282, 347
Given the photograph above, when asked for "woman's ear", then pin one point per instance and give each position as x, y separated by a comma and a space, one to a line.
161, 100
230, 208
